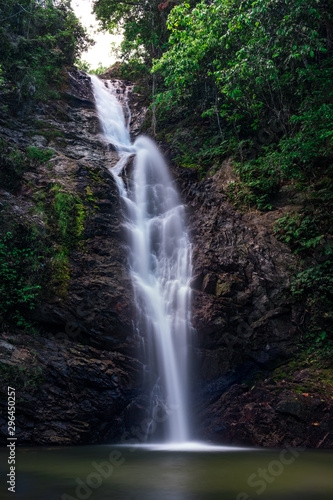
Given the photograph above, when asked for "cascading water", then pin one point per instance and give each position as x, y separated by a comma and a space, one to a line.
160, 263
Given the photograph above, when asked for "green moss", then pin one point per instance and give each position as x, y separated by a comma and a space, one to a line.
318, 373
279, 374
19, 279
222, 288
64, 215
47, 130
95, 175
300, 389
25, 377
60, 274
39, 156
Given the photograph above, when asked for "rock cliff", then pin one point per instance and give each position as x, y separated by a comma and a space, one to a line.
79, 376
247, 327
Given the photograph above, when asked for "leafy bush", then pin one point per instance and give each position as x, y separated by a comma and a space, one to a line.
39, 155
27, 377
66, 217
18, 288
83, 65
245, 71
37, 40
308, 235
259, 182
314, 287
14, 163
315, 282
302, 232
99, 70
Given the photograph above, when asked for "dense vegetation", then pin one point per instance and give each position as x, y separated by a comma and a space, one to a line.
35, 247
38, 40
251, 80
144, 26
244, 79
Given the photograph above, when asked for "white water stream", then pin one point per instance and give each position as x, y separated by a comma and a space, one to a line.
160, 263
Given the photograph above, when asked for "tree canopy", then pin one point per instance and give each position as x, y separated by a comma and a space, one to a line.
251, 79
37, 39
143, 24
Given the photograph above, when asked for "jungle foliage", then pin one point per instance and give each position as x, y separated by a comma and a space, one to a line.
262, 71
142, 22
37, 39
250, 79
35, 246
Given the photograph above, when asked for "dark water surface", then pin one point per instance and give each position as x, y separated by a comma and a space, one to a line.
118, 473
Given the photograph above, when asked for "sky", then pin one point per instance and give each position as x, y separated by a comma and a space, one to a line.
101, 51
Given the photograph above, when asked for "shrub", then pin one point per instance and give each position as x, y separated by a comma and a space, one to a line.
18, 287
39, 155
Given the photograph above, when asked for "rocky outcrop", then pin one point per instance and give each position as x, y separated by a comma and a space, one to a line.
247, 326
74, 380
242, 313
272, 414
99, 298
241, 309
79, 380
66, 393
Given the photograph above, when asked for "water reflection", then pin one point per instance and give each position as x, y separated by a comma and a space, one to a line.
116, 473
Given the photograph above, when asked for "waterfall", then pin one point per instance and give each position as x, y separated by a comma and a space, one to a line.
159, 255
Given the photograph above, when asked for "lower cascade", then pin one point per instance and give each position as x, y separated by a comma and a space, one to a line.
159, 253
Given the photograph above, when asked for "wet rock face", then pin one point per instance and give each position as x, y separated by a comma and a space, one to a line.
240, 283
98, 303
79, 381
246, 325
241, 311
67, 393
99, 300
271, 414
82, 379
